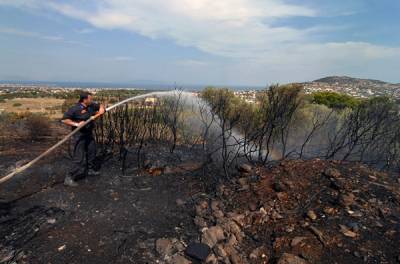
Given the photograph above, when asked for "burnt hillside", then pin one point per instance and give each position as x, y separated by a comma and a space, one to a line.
291, 212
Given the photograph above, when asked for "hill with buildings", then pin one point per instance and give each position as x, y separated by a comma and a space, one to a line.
362, 88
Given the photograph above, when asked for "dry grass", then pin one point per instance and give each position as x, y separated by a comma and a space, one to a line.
49, 106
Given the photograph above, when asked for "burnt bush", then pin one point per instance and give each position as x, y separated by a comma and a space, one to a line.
25, 126
37, 127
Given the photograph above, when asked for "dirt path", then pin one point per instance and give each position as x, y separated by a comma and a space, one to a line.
107, 219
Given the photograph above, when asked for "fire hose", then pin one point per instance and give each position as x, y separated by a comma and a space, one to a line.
59, 143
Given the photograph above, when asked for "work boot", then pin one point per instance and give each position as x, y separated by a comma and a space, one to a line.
70, 182
92, 172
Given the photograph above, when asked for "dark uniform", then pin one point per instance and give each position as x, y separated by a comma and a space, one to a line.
83, 142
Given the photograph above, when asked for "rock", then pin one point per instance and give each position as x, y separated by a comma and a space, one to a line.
234, 229
180, 202
282, 196
212, 259
354, 226
287, 258
215, 205
253, 206
318, 234
329, 210
238, 218
201, 208
345, 231
178, 245
312, 215
6, 254
245, 168
203, 204
218, 214
233, 255
232, 241
297, 240
243, 182
257, 253
178, 259
164, 246
62, 248
200, 222
347, 199
276, 215
198, 251
51, 221
220, 251
213, 235
332, 172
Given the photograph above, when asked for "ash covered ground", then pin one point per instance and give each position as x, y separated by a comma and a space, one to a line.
292, 212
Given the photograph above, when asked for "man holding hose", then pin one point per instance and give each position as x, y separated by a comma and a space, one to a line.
83, 142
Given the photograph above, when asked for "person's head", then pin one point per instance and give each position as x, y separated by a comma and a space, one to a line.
86, 98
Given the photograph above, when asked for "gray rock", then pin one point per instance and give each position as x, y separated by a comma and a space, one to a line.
199, 251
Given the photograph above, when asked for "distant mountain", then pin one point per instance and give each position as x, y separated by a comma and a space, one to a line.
350, 80
353, 86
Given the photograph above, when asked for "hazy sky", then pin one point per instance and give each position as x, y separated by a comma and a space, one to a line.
233, 42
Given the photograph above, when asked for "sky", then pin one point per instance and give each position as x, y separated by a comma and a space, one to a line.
224, 42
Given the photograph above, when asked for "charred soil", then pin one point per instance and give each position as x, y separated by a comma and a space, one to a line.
293, 212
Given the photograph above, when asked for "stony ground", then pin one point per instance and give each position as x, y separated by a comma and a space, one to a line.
305, 212
292, 212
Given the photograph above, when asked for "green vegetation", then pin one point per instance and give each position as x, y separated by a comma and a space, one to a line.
40, 94
335, 100
17, 104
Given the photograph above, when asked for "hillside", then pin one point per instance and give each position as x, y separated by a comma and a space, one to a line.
292, 212
350, 80
362, 88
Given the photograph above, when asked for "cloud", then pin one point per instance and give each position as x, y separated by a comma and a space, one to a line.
119, 58
230, 28
236, 28
242, 31
32, 34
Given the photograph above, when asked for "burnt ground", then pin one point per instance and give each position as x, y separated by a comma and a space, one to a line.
307, 212
112, 218
293, 212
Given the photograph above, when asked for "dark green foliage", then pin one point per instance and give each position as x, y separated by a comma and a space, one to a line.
335, 100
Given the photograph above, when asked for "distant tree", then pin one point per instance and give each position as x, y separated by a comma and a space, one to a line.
335, 100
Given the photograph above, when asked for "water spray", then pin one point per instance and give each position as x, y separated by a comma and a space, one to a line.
62, 141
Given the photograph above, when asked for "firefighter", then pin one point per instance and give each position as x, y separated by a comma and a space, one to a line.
83, 143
